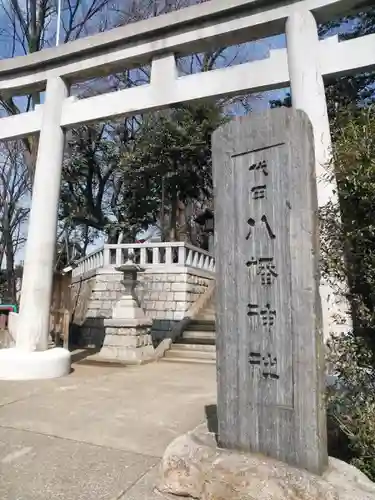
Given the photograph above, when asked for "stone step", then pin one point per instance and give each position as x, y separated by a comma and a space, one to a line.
200, 325
209, 307
199, 336
205, 317
208, 314
190, 361
178, 353
210, 310
181, 346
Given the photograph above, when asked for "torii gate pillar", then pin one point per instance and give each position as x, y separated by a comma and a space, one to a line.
308, 95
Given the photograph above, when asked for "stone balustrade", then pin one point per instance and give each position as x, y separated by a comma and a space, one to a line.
148, 255
90, 262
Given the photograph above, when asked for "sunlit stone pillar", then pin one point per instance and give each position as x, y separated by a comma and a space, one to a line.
308, 94
33, 323
30, 359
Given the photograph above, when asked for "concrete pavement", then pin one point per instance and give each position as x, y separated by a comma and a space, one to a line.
98, 433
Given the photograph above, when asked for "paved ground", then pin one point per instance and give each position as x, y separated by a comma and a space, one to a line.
99, 433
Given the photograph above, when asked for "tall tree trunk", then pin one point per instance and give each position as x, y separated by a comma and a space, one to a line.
9, 255
11, 279
173, 216
182, 226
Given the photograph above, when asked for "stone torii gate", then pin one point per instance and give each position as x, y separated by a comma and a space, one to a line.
217, 23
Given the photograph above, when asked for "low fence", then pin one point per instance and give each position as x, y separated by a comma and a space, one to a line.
59, 326
60, 309
5, 340
147, 255
3, 321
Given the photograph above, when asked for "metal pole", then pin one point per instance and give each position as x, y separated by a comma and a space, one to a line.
58, 22
162, 211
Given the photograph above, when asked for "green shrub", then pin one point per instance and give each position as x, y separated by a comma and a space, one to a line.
348, 261
351, 406
348, 230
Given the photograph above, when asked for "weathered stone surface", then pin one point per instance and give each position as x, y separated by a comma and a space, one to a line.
120, 340
193, 466
128, 340
269, 325
128, 355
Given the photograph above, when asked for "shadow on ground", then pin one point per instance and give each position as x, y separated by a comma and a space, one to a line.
211, 417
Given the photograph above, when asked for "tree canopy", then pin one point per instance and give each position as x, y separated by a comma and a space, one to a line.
116, 184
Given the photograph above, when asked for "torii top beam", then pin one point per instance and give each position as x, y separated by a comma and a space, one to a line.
216, 23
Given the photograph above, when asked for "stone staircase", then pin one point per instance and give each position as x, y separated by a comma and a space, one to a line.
197, 343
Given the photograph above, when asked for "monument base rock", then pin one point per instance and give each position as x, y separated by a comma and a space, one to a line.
193, 466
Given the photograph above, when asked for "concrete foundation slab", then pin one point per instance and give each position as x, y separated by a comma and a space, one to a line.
98, 433
137, 408
145, 489
39, 467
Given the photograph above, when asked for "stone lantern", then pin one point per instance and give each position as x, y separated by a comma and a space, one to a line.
128, 332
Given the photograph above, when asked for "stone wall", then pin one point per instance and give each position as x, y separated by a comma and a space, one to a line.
165, 294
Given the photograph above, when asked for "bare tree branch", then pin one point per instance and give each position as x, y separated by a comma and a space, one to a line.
30, 28
14, 193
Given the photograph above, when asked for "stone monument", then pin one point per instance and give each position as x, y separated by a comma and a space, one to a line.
127, 334
270, 362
